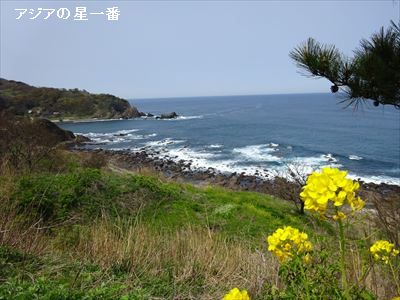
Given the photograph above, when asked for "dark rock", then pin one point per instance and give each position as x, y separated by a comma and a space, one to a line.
130, 112
172, 115
81, 139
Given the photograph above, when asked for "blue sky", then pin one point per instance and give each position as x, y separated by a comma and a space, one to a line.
181, 48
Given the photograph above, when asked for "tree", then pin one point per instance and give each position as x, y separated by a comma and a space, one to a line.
373, 73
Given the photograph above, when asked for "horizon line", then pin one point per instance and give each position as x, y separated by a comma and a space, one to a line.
222, 96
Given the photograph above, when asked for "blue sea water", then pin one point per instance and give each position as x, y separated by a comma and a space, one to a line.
263, 134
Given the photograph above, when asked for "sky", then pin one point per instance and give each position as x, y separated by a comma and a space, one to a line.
180, 48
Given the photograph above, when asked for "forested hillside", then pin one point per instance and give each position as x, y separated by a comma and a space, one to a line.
23, 99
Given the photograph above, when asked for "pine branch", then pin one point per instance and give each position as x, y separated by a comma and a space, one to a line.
372, 74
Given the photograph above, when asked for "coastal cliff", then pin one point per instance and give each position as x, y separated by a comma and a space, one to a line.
22, 99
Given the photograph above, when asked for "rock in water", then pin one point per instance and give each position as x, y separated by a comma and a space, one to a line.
172, 115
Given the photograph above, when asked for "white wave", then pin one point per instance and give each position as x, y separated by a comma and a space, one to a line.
164, 142
190, 154
305, 165
125, 131
120, 136
203, 160
376, 179
98, 140
273, 145
329, 157
305, 170
114, 133
182, 118
189, 117
200, 160
89, 134
215, 146
256, 153
355, 157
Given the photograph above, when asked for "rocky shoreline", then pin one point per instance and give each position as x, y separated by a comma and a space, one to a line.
182, 171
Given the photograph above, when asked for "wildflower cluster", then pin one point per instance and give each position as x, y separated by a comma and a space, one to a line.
286, 242
236, 294
382, 250
330, 185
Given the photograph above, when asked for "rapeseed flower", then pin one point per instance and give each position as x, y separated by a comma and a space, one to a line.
287, 242
236, 294
339, 216
330, 187
383, 250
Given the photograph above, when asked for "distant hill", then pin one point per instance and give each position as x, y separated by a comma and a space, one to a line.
22, 99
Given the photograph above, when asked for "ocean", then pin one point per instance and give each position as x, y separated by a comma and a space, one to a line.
262, 134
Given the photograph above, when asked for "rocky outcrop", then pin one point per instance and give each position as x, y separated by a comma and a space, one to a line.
171, 115
131, 112
19, 98
53, 132
31, 132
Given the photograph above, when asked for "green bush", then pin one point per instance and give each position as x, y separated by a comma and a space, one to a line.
54, 196
87, 191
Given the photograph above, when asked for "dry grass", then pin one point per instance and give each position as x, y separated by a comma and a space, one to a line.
361, 268
189, 255
387, 216
24, 235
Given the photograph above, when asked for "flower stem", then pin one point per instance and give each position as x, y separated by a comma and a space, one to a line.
303, 274
394, 277
343, 260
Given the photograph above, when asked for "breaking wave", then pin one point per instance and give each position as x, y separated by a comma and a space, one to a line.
120, 136
355, 157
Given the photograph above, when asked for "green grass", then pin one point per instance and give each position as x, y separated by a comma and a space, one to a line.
90, 192
239, 215
84, 195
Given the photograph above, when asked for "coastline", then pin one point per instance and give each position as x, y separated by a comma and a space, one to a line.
181, 171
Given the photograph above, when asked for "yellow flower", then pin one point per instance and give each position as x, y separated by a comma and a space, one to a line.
286, 242
396, 298
236, 294
330, 186
339, 215
307, 258
382, 250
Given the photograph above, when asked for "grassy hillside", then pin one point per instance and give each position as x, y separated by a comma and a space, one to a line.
22, 99
96, 233
72, 227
